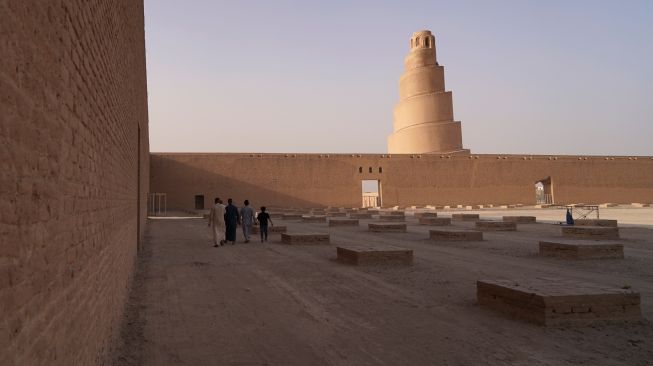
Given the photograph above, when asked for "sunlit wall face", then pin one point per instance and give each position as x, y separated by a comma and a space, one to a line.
535, 77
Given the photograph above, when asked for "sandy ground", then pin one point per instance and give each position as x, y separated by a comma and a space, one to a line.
274, 304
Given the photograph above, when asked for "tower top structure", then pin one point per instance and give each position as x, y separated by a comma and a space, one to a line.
423, 118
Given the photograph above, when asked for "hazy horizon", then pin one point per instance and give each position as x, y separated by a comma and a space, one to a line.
314, 77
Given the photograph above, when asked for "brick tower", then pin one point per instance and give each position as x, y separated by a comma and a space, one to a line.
423, 118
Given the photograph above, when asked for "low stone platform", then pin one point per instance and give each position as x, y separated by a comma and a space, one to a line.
419, 215
360, 215
496, 225
304, 238
337, 214
277, 229
343, 222
455, 235
581, 249
387, 227
464, 217
292, 216
558, 302
316, 218
595, 222
521, 219
590, 232
435, 221
392, 218
375, 255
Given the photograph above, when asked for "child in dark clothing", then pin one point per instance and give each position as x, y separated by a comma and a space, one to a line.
263, 218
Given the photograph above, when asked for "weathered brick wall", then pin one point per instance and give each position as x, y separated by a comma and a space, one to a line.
72, 100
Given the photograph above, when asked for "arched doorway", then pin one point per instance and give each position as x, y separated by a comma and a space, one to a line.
544, 192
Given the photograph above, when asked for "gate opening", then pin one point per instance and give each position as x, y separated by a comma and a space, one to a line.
199, 202
371, 193
544, 192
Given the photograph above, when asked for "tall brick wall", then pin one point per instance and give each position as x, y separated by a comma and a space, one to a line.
72, 101
310, 180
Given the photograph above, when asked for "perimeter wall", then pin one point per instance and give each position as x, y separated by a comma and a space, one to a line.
74, 160
310, 180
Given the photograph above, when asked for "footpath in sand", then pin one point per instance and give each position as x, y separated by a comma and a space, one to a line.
276, 304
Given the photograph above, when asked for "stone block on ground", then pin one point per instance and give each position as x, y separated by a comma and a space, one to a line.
496, 225
387, 227
395, 218
558, 302
375, 255
455, 235
337, 214
277, 229
316, 218
590, 232
595, 222
304, 238
435, 221
464, 217
521, 219
581, 249
360, 215
343, 222
426, 214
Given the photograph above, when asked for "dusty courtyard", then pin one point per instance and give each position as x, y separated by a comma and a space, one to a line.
276, 304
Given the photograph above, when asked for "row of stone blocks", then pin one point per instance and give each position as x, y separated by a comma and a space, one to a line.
557, 302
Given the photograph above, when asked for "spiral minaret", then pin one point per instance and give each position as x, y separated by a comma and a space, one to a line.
423, 118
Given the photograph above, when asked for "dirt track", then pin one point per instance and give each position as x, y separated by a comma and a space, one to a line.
273, 304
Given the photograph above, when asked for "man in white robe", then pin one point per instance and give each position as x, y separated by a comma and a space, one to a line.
216, 219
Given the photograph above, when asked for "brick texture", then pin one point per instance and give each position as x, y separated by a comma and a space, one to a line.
73, 175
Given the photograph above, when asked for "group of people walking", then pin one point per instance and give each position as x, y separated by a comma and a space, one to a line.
225, 220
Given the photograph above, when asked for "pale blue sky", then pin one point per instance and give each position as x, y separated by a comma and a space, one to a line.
564, 77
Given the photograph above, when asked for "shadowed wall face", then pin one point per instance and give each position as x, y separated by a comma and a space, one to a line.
73, 135
312, 180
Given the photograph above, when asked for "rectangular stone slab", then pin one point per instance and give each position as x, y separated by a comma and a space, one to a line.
337, 214
387, 227
464, 217
360, 215
395, 218
595, 222
306, 218
435, 221
425, 214
521, 219
559, 302
375, 255
455, 235
277, 229
581, 249
590, 232
343, 222
496, 225
304, 238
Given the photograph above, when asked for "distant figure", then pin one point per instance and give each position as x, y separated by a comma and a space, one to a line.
216, 219
231, 219
570, 219
263, 218
247, 220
